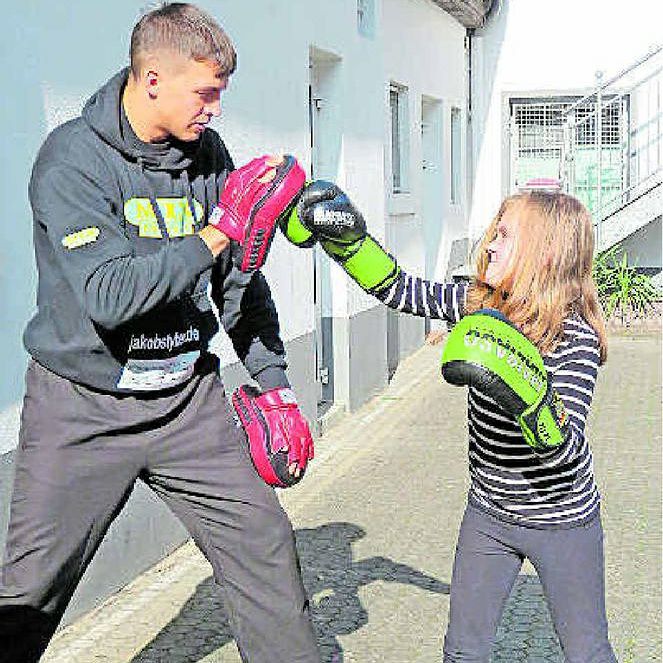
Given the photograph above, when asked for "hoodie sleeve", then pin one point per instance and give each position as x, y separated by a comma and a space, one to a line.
112, 284
249, 317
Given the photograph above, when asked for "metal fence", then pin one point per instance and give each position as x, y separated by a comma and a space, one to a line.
536, 139
539, 143
612, 147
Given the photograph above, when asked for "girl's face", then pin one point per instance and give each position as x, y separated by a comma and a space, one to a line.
501, 250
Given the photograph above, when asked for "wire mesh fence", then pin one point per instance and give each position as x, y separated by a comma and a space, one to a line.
605, 148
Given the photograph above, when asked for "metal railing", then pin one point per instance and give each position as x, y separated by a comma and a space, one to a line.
612, 139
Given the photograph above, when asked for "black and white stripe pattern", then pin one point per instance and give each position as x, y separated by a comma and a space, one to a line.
410, 294
509, 479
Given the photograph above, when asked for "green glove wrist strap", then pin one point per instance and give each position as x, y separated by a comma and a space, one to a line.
545, 424
366, 262
295, 230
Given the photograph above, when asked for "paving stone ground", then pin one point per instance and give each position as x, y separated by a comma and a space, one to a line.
376, 522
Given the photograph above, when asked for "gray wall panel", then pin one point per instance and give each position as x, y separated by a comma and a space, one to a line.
142, 534
410, 334
644, 246
368, 355
300, 354
6, 481
301, 372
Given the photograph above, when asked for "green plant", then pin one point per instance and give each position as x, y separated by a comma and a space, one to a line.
622, 289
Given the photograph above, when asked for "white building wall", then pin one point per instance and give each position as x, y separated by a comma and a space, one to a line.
56, 55
529, 47
425, 54
646, 125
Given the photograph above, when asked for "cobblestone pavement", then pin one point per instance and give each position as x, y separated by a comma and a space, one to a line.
376, 522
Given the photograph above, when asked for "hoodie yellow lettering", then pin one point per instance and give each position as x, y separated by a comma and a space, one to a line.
80, 237
175, 211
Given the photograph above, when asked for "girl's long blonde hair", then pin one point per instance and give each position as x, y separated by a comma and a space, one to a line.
550, 273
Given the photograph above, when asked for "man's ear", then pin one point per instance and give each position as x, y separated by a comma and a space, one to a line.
150, 75
151, 82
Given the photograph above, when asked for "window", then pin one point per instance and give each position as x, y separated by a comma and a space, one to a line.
366, 17
399, 138
586, 121
455, 192
551, 137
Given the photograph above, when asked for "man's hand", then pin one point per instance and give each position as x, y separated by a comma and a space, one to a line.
253, 199
217, 242
279, 438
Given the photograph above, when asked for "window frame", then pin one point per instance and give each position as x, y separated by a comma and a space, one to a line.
399, 138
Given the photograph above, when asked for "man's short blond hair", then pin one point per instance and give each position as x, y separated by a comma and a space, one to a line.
184, 29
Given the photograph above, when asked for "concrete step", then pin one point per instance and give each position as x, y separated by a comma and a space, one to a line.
636, 214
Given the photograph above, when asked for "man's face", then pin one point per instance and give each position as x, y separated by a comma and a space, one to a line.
186, 95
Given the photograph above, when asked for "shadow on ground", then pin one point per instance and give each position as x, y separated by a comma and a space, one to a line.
332, 579
526, 633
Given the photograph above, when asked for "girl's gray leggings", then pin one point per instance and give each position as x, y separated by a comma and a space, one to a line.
569, 562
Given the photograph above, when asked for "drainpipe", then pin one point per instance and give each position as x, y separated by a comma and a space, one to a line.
469, 140
599, 155
493, 9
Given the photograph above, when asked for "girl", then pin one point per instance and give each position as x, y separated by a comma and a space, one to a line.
534, 266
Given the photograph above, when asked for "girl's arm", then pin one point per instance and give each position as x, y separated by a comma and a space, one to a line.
417, 296
549, 397
326, 214
573, 368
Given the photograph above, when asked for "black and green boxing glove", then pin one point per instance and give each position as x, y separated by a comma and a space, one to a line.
486, 351
295, 231
325, 213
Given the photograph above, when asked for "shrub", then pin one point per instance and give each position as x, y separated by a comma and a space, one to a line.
622, 289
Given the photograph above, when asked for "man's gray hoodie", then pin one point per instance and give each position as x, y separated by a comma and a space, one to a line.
122, 298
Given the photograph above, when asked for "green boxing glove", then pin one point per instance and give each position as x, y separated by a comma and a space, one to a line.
324, 213
295, 231
486, 351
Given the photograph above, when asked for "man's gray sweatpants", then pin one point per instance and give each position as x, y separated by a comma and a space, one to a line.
569, 562
80, 452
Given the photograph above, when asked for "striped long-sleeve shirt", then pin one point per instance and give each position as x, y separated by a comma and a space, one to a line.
509, 479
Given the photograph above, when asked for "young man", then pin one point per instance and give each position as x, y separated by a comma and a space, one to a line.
120, 385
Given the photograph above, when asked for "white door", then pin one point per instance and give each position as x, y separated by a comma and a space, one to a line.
325, 153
